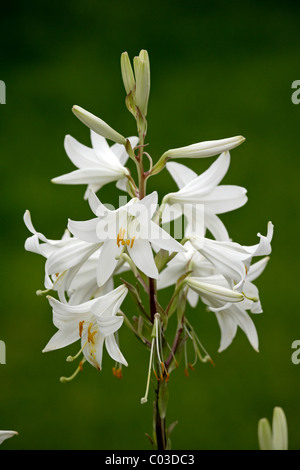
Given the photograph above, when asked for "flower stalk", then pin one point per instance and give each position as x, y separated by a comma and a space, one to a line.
82, 268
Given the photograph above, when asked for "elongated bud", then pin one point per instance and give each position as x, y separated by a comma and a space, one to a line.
127, 73
204, 149
97, 125
280, 430
264, 435
142, 76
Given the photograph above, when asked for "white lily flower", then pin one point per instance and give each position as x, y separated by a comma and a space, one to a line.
230, 316
94, 322
228, 307
230, 258
203, 192
64, 258
6, 435
204, 149
277, 437
130, 227
98, 165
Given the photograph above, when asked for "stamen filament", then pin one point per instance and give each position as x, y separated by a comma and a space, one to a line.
68, 379
145, 398
72, 358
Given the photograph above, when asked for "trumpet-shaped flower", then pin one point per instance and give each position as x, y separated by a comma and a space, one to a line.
94, 322
98, 165
201, 197
128, 228
230, 258
229, 307
64, 258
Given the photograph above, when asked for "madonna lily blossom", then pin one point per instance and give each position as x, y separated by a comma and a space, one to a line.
230, 258
228, 307
128, 228
64, 257
84, 285
93, 322
6, 435
202, 192
98, 165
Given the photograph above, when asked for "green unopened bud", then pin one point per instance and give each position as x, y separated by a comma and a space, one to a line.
277, 437
264, 435
127, 73
280, 430
142, 76
97, 125
204, 149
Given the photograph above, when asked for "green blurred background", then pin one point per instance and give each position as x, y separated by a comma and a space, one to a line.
218, 69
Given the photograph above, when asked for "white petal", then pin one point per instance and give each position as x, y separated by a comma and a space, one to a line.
215, 226
80, 155
181, 174
6, 435
142, 256
85, 230
163, 239
109, 325
114, 350
70, 255
62, 338
257, 268
120, 151
228, 330
225, 198
107, 261
108, 305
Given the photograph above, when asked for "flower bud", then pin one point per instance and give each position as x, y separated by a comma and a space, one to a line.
127, 73
97, 125
142, 75
205, 149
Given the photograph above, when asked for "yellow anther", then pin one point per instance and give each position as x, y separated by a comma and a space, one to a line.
157, 378
120, 239
117, 372
91, 334
81, 327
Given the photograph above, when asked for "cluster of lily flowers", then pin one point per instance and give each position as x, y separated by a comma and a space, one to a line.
84, 269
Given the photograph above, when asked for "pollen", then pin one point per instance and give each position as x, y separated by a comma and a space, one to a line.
117, 372
81, 327
120, 239
91, 334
